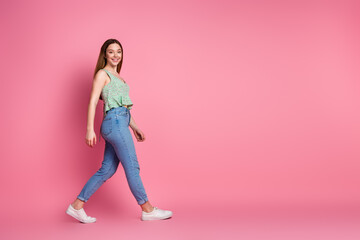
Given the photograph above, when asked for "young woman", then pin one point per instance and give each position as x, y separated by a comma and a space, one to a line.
119, 145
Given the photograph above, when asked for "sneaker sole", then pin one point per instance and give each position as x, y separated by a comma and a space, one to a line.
155, 218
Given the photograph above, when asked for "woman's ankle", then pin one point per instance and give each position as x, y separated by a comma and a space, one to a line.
147, 207
78, 204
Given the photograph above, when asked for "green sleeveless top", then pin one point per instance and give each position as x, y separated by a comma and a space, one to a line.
115, 93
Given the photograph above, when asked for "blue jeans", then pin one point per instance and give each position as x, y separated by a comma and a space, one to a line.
119, 146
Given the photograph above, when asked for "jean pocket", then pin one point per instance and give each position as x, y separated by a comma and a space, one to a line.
106, 126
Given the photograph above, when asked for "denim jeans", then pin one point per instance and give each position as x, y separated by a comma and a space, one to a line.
119, 146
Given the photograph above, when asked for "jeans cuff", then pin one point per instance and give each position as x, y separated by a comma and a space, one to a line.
82, 199
142, 201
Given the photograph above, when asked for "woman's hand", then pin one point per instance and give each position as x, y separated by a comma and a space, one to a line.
139, 134
90, 138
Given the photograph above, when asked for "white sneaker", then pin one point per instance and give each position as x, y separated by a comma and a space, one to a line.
156, 214
80, 215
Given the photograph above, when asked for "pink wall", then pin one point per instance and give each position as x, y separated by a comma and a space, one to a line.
240, 101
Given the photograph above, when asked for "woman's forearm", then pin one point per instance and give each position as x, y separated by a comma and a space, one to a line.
91, 116
132, 123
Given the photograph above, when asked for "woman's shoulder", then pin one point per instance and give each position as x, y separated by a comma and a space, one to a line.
100, 71
100, 75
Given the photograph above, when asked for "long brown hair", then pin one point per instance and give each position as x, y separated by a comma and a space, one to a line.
101, 62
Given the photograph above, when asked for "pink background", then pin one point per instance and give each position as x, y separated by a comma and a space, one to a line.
250, 111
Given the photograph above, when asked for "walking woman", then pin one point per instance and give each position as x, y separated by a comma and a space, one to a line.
119, 145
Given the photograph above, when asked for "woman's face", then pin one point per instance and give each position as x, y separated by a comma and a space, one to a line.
113, 54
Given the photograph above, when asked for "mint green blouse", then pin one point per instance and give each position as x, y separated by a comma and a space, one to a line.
115, 93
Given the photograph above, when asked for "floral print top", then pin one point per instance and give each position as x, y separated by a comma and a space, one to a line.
115, 93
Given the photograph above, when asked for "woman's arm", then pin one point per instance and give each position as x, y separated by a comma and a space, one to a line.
140, 136
91, 115
98, 84
132, 123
